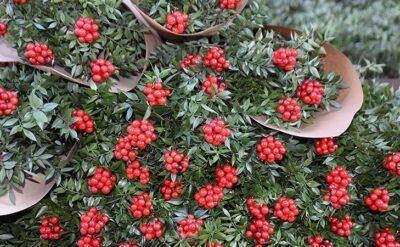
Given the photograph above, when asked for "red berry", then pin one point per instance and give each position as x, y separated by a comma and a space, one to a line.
214, 84
20, 1
285, 58
341, 227
189, 226
319, 241
209, 196
39, 53
177, 21
378, 200
226, 176
191, 60
3, 28
102, 181
338, 196
289, 110
339, 177
8, 102
93, 222
87, 30
270, 150
141, 205
151, 230
228, 4
286, 209
175, 162
215, 59
141, 133
135, 171
90, 241
215, 132
123, 150
84, 122
51, 228
156, 94
386, 239
260, 230
257, 210
392, 164
325, 146
171, 190
101, 70
310, 92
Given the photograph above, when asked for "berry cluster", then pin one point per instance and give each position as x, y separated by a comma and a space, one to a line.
378, 200
386, 239
84, 122
39, 53
341, 227
171, 190
102, 181
209, 196
392, 163
191, 60
289, 110
123, 150
215, 59
87, 30
310, 92
339, 177
134, 171
3, 29
92, 222
270, 150
175, 162
141, 133
226, 176
20, 1
214, 84
152, 230
286, 209
156, 94
319, 241
228, 4
325, 146
257, 210
338, 196
51, 228
285, 58
141, 205
216, 132
177, 21
189, 226
260, 230
8, 102
101, 70
90, 241
129, 244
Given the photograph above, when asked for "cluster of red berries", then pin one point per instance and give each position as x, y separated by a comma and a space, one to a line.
226, 176
102, 181
8, 102
214, 84
175, 162
286, 209
189, 226
270, 150
289, 109
325, 146
171, 189
156, 94
216, 132
87, 30
339, 176
386, 239
84, 122
338, 196
134, 171
141, 205
123, 150
285, 58
257, 210
39, 53
51, 228
101, 70
177, 21
392, 163
141, 133
209, 196
129, 244
152, 230
3, 29
341, 227
261, 231
378, 200
192, 60
215, 59
92, 222
90, 241
319, 241
20, 1
310, 92
228, 4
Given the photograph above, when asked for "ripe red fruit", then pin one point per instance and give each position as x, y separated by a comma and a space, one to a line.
386, 239
319, 241
84, 122
175, 162
39, 53
101, 70
191, 60
8, 102
341, 227
285, 58
102, 181
134, 171
177, 21
51, 228
87, 30
338, 196
92, 222
257, 210
215, 132
226, 176
141, 133
20, 1
3, 28
171, 190
156, 94
123, 150
325, 146
213, 84
310, 92
378, 200
141, 205
339, 176
189, 226
392, 164
152, 230
260, 230
289, 109
90, 241
129, 244
215, 59
286, 209
228, 4
209, 196
270, 150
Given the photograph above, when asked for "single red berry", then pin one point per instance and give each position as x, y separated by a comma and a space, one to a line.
270, 150
3, 28
209, 196
141, 205
152, 230
257, 210
386, 239
325, 146
101, 70
92, 222
87, 30
226, 176
141, 133
228, 4
215, 59
191, 60
310, 92
123, 150
338, 196
319, 241
392, 164
285, 58
134, 171
341, 227
39, 53
175, 162
189, 226
90, 241
286, 209
339, 176
20, 1
260, 230
289, 110
171, 190
214, 84
177, 21
8, 102
378, 200
84, 122
216, 132
102, 181
51, 228
156, 93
